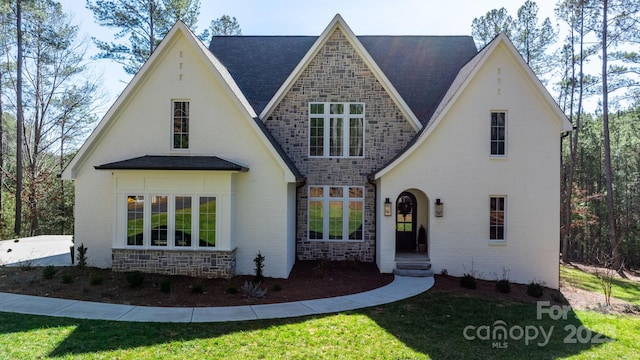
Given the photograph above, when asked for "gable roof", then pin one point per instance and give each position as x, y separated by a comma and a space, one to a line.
292, 174
463, 78
417, 69
159, 162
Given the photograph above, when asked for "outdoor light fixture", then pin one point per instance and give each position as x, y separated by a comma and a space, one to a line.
387, 207
439, 208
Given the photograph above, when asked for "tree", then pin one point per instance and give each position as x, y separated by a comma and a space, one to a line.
225, 25
485, 28
530, 38
59, 99
17, 228
144, 22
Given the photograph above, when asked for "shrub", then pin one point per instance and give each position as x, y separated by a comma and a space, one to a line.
135, 279
96, 280
232, 290
276, 287
535, 289
165, 286
82, 256
67, 278
49, 271
444, 272
503, 286
259, 261
468, 281
253, 290
197, 288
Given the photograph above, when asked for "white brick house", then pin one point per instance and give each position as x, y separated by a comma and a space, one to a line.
334, 146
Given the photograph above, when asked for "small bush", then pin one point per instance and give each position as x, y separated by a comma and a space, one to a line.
135, 279
468, 281
165, 286
444, 272
232, 290
276, 287
96, 280
535, 289
259, 261
67, 278
82, 256
503, 286
197, 288
253, 290
49, 271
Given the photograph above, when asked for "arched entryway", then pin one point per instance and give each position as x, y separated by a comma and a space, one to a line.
406, 220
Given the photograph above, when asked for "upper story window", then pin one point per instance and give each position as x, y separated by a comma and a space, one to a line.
498, 133
336, 129
180, 125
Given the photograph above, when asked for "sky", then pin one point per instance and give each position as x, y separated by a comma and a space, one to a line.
310, 17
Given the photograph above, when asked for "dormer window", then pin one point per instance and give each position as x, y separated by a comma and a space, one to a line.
180, 125
336, 129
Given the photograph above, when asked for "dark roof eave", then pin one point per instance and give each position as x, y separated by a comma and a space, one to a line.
174, 163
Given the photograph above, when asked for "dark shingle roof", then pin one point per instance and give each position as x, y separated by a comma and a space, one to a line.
152, 162
421, 68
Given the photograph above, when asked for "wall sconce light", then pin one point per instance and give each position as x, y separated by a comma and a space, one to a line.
387, 207
439, 208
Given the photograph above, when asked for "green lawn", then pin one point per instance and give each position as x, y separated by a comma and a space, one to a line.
626, 290
430, 325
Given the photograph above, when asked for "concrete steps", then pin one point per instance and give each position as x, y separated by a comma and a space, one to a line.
413, 268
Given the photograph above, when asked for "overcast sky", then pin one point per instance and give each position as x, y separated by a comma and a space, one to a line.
309, 17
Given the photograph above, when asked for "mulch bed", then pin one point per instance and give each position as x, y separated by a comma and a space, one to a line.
308, 280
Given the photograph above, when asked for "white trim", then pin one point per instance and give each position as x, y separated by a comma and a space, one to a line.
502, 241
346, 117
339, 23
326, 208
506, 134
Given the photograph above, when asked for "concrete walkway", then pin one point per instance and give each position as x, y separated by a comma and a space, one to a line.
54, 250
400, 288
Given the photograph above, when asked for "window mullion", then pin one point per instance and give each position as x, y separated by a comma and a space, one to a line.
326, 128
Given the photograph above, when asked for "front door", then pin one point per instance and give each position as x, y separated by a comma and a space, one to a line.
406, 208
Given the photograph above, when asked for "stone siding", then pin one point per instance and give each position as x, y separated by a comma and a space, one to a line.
338, 74
204, 264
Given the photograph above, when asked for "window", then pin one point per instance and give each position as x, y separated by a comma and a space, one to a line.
183, 213
173, 221
180, 129
336, 129
497, 218
336, 213
159, 223
207, 221
498, 133
135, 220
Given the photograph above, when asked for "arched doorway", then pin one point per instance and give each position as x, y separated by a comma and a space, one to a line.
406, 215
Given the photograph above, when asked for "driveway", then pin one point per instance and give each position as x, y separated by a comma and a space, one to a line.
40, 250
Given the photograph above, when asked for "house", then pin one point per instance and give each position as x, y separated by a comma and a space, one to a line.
332, 147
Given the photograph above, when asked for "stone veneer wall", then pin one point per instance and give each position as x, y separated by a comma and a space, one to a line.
207, 264
339, 74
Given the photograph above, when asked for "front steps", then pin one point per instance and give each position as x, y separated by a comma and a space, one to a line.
413, 266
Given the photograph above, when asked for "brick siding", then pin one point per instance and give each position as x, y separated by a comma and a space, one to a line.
204, 264
339, 74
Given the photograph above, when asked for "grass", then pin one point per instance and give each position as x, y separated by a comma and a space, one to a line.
430, 325
623, 289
